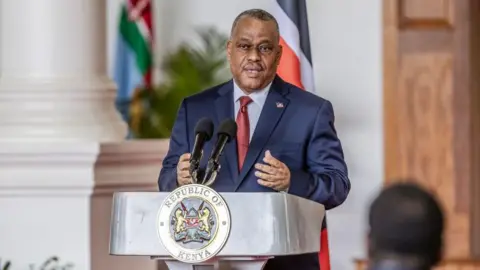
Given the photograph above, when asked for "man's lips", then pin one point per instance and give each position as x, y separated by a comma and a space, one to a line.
253, 70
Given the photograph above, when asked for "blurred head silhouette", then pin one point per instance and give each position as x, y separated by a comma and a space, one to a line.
406, 228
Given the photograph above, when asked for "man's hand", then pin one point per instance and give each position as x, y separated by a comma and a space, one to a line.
274, 174
183, 170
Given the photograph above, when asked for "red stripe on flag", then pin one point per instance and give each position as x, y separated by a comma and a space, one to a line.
147, 17
324, 254
141, 12
148, 77
289, 68
143, 9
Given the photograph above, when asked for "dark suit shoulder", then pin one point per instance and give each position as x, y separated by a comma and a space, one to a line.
207, 94
305, 98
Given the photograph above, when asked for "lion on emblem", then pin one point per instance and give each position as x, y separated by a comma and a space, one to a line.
180, 221
204, 217
192, 225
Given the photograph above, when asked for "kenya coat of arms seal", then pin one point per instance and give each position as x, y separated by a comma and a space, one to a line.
194, 223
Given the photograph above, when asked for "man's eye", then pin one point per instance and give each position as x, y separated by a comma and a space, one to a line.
265, 49
243, 46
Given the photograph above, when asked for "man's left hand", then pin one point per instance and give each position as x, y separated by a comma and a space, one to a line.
274, 174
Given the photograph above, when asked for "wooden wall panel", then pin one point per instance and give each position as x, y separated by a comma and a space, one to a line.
432, 108
426, 146
426, 13
474, 102
425, 89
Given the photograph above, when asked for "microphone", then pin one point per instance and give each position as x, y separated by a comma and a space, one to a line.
226, 132
203, 133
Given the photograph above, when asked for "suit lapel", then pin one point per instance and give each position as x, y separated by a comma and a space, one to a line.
224, 110
273, 109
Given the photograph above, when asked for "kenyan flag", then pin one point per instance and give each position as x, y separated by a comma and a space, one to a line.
133, 59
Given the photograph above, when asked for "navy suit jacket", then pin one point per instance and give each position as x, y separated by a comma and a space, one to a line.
300, 133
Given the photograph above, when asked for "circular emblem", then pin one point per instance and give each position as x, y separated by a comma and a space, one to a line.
193, 223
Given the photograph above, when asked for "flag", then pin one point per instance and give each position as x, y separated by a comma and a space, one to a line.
296, 68
133, 57
296, 62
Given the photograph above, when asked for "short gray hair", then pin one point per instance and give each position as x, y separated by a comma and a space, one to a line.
258, 14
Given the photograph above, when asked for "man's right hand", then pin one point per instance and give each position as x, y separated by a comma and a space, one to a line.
183, 170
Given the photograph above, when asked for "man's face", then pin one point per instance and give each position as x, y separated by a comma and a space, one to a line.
253, 52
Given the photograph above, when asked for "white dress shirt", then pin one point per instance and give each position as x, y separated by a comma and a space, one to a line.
254, 108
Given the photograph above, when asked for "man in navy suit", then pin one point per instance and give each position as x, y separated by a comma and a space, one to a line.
286, 139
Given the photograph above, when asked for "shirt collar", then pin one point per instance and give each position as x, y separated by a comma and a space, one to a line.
258, 97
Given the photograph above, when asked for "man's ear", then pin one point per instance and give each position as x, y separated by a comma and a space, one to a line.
279, 54
229, 49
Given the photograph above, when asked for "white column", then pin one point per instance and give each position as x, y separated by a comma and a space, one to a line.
53, 74
45, 194
55, 200
57, 120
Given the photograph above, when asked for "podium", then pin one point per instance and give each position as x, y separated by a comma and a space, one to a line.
194, 227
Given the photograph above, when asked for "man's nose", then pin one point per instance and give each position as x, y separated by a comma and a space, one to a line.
253, 55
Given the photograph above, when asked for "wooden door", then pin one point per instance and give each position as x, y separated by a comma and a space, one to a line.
432, 110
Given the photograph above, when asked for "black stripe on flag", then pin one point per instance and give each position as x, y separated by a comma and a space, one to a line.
296, 10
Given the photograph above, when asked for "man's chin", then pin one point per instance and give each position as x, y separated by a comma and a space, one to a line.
252, 84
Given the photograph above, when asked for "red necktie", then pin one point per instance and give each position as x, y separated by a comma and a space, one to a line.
243, 130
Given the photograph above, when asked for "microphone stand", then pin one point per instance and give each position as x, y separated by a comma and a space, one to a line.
213, 167
226, 132
194, 167
194, 172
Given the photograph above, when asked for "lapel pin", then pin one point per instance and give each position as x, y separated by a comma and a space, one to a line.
279, 105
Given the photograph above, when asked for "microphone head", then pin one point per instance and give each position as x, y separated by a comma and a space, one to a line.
229, 128
205, 126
